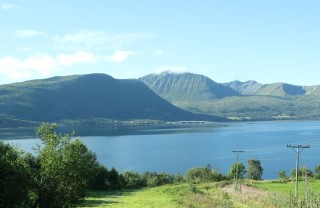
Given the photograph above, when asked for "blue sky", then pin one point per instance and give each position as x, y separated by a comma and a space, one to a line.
267, 41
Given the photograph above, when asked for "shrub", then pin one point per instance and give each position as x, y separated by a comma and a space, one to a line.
282, 175
14, 170
302, 172
132, 179
196, 175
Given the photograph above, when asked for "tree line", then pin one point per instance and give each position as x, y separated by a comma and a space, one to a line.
63, 169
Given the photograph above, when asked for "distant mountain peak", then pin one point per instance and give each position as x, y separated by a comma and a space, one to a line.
252, 87
186, 87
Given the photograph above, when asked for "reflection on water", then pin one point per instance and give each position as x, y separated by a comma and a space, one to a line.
107, 130
176, 148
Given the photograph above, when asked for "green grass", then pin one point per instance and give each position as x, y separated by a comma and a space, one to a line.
214, 194
257, 107
163, 196
289, 187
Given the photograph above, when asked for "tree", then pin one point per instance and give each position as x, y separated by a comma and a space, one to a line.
113, 179
65, 169
100, 178
282, 175
254, 169
13, 170
132, 179
317, 172
197, 175
302, 172
237, 170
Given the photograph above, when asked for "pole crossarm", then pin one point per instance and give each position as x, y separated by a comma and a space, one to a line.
298, 149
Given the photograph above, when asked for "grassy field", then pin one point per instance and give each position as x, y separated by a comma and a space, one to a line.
221, 194
163, 196
288, 187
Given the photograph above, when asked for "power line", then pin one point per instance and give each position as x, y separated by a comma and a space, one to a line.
298, 149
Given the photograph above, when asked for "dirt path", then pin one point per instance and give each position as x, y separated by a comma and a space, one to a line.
246, 191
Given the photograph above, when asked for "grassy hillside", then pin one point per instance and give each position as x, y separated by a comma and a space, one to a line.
85, 97
216, 194
281, 89
258, 107
252, 100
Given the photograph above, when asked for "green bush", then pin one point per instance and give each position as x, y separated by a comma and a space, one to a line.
197, 175
236, 170
14, 170
57, 177
302, 172
317, 172
132, 179
282, 175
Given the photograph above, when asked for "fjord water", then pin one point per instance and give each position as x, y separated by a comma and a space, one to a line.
176, 150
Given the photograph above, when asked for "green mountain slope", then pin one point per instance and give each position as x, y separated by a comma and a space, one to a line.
274, 89
258, 107
186, 86
199, 94
281, 89
85, 97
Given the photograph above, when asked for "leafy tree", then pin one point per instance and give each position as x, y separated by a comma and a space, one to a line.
237, 169
178, 178
132, 179
317, 172
65, 169
216, 176
100, 178
155, 179
302, 172
14, 170
254, 169
282, 175
203, 175
113, 179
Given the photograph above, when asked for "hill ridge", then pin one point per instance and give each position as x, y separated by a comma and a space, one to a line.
186, 86
87, 96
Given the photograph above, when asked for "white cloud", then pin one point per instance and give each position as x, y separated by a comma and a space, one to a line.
101, 38
41, 64
78, 57
27, 33
171, 69
119, 56
83, 37
44, 65
8, 7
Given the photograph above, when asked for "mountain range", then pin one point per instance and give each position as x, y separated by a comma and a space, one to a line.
166, 97
237, 100
275, 89
89, 96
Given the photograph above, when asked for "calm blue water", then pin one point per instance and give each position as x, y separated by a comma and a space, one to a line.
179, 149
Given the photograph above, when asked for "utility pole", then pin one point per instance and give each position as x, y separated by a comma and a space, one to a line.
298, 149
237, 152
